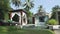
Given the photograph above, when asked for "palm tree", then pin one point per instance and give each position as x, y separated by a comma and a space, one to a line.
28, 5
16, 2
40, 8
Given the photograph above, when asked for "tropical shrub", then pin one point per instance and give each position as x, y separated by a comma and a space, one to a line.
10, 21
52, 22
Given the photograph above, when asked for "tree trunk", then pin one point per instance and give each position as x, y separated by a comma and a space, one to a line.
6, 16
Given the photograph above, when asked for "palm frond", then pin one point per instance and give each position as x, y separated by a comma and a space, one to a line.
16, 2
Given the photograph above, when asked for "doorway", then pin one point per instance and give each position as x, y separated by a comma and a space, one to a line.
15, 18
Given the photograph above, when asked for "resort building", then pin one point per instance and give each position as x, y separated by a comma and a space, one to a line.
41, 17
19, 15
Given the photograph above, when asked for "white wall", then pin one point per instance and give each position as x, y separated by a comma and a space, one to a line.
24, 16
37, 23
19, 14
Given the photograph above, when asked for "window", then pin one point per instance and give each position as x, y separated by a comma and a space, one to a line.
24, 20
41, 19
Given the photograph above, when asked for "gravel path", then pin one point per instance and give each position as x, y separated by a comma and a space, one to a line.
57, 31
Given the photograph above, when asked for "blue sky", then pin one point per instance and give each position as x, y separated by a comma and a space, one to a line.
47, 5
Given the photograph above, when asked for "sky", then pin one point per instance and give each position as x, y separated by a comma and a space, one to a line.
47, 5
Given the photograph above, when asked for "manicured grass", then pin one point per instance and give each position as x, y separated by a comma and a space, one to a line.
14, 30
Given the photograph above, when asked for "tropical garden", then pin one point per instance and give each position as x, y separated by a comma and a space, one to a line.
28, 5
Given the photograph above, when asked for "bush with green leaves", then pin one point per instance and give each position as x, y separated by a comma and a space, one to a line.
52, 22
10, 21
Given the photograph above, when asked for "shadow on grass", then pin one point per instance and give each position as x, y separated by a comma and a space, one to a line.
14, 30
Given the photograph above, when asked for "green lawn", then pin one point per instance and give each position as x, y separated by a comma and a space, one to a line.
13, 30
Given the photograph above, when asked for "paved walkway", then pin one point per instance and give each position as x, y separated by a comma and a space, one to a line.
57, 31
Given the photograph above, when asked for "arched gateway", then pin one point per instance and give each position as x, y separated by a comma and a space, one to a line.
19, 16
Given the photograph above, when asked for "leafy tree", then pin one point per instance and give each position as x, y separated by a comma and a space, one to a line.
4, 8
54, 9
